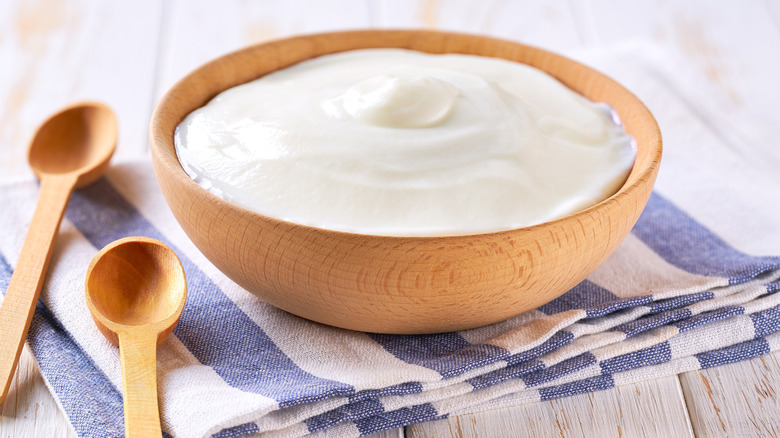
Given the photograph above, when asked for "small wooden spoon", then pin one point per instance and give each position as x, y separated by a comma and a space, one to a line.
136, 292
71, 149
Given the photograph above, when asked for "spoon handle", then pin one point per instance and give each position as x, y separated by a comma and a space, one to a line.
138, 353
27, 280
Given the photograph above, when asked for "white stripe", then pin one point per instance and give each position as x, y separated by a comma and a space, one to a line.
295, 430
526, 336
670, 368
635, 343
597, 325
738, 295
63, 292
588, 372
762, 303
582, 345
470, 374
634, 270
395, 402
501, 395
482, 396
718, 334
348, 429
195, 401
289, 417
487, 334
341, 355
184, 383
773, 340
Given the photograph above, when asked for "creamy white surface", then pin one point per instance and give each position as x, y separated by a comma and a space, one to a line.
395, 142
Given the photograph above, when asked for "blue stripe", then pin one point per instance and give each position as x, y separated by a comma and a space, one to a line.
401, 417
449, 354
680, 301
735, 353
586, 295
640, 325
708, 317
559, 370
555, 342
592, 298
766, 322
350, 412
685, 243
246, 358
401, 389
504, 374
597, 383
523, 363
91, 402
653, 355
236, 431
212, 327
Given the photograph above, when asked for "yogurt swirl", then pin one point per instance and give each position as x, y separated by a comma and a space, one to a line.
396, 101
396, 142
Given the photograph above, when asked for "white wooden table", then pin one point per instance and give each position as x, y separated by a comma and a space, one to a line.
127, 54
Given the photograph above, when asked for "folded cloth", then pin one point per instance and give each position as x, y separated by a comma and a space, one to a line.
680, 293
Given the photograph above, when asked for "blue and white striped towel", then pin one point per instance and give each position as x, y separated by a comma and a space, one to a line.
681, 293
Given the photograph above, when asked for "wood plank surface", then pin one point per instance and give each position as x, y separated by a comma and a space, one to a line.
30, 410
53, 52
739, 399
653, 408
390, 433
730, 58
716, 39
56, 52
195, 31
547, 24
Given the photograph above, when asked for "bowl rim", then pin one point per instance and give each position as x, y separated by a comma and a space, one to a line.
165, 154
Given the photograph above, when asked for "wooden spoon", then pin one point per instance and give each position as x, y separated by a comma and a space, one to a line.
136, 292
71, 149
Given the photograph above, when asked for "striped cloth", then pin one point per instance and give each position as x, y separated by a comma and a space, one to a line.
681, 293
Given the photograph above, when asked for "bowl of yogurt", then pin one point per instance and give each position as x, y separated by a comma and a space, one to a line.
403, 181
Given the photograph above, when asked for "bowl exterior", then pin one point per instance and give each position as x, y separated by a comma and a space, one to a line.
399, 284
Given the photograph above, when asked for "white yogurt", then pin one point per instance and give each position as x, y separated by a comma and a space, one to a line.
396, 142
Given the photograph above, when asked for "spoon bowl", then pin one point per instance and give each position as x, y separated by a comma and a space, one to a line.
135, 281
80, 138
70, 150
136, 290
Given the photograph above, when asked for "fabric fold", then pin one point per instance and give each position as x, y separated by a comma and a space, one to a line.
679, 294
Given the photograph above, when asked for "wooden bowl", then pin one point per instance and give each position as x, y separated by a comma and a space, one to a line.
399, 284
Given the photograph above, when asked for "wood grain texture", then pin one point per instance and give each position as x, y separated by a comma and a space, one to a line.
18, 306
70, 149
39, 76
726, 53
135, 290
390, 433
195, 32
654, 408
392, 284
30, 411
724, 81
54, 52
138, 352
736, 400
552, 25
